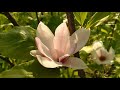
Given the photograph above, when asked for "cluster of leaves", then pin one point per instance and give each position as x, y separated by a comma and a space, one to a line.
17, 41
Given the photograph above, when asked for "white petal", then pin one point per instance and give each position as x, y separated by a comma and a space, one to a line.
71, 46
95, 57
48, 63
42, 48
97, 45
45, 34
101, 52
34, 53
97, 53
111, 54
81, 37
46, 37
61, 39
75, 63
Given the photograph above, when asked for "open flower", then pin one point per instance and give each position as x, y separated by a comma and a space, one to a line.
101, 55
54, 51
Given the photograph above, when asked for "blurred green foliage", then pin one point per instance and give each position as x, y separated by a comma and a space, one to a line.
17, 41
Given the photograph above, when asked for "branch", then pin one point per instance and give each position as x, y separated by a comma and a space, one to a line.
37, 18
6, 59
71, 26
8, 15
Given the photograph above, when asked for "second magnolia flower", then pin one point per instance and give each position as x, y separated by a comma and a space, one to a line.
55, 51
101, 55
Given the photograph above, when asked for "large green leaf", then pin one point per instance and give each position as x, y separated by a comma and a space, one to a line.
54, 22
17, 42
96, 18
16, 73
80, 17
31, 69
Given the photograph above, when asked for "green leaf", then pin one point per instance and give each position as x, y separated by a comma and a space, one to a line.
80, 17
16, 73
54, 22
104, 31
117, 58
87, 49
96, 18
31, 69
17, 42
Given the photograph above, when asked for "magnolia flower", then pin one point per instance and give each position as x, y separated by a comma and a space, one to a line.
101, 55
54, 51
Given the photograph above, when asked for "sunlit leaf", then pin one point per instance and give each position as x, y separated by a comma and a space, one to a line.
118, 58
17, 42
16, 73
96, 18
80, 17
87, 49
31, 69
104, 31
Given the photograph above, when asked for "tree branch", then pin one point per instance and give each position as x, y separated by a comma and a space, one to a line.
37, 17
71, 26
6, 59
8, 15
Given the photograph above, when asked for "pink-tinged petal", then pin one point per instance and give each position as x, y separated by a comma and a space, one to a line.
46, 37
45, 34
43, 49
61, 39
63, 58
101, 52
95, 57
48, 63
75, 63
81, 37
34, 53
71, 46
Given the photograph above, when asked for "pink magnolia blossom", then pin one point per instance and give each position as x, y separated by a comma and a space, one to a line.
101, 55
55, 51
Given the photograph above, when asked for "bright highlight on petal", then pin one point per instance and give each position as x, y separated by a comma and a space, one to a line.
48, 63
34, 53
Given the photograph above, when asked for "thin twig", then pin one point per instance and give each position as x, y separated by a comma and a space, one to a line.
112, 35
37, 17
9, 16
6, 59
71, 26
111, 69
